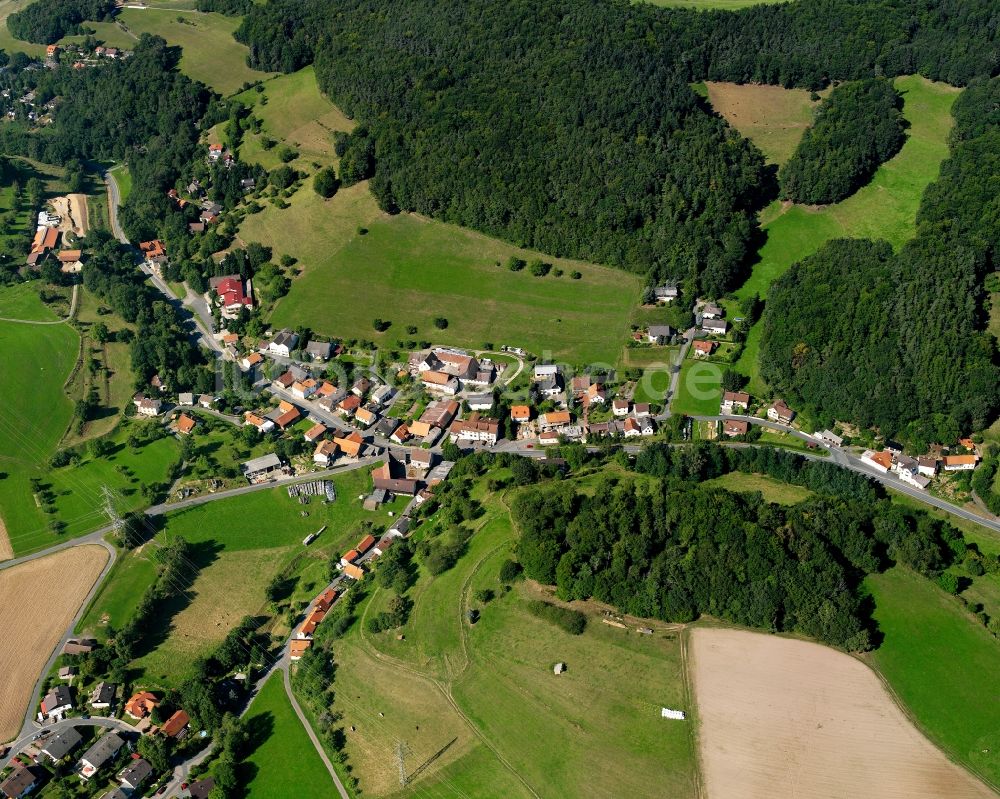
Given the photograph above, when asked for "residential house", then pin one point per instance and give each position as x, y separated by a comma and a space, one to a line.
711, 311
389, 477
641, 409
319, 350
140, 704
288, 418
153, 252
829, 438
904, 463
550, 386
553, 420
249, 361
778, 411
735, 402
353, 571
157, 382
382, 394
545, 370
284, 381
325, 453
101, 752
361, 387
233, 294
520, 414
304, 389
879, 461
475, 429
927, 466
422, 460
716, 327
79, 646
441, 382
22, 781
135, 774
262, 424
401, 434
312, 621
185, 424
960, 463
296, 649
480, 402
349, 405
659, 334
619, 407
174, 726
439, 413
57, 746
665, 294
915, 479
365, 417
734, 427
632, 428
56, 702
702, 348
351, 445
550, 438
314, 433
102, 696
595, 395
257, 469
283, 343
215, 151
67, 672
383, 545
185, 398
202, 788
365, 544
148, 407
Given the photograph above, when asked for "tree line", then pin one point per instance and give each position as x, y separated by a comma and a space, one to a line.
673, 549
857, 128
898, 341
47, 22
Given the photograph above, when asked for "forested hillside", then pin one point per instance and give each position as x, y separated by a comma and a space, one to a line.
48, 22
857, 128
649, 551
898, 341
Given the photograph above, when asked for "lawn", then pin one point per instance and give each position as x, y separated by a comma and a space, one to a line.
293, 111
605, 708
699, 390
772, 117
409, 271
280, 743
39, 358
209, 52
119, 595
773, 490
123, 178
941, 664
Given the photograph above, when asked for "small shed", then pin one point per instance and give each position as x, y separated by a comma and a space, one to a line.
559, 668
667, 713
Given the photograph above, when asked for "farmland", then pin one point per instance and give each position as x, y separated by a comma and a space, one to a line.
409, 271
70, 574
483, 743
278, 740
937, 659
235, 560
796, 713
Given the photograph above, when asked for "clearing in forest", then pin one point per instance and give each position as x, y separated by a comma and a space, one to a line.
800, 719
38, 599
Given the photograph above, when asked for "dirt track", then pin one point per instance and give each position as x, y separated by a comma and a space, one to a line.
38, 600
793, 719
6, 551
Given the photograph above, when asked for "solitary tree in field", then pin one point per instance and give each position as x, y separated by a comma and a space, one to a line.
440, 323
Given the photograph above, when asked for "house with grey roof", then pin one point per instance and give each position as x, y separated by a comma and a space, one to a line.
60, 745
101, 752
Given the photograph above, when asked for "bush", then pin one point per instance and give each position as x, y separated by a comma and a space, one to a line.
325, 182
515, 264
509, 571
539, 268
575, 275
571, 621
440, 323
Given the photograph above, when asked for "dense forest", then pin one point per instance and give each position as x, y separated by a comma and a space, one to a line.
857, 128
47, 22
897, 340
648, 549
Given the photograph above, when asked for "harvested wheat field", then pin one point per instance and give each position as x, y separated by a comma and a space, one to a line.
6, 551
787, 718
38, 600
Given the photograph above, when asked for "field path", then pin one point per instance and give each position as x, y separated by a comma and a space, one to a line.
64, 320
6, 550
792, 718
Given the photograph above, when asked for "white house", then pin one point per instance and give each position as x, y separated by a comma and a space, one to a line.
735, 401
927, 466
666, 293
879, 461
544, 370
148, 407
480, 402
716, 327
959, 463
915, 480
711, 311
829, 438
619, 407
283, 343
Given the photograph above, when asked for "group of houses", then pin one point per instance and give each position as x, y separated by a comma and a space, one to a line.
447, 372
46, 241
918, 472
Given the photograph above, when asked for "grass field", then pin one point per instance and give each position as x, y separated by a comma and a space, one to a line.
7, 40
940, 662
239, 545
772, 117
281, 744
498, 673
699, 389
209, 52
38, 360
772, 490
120, 592
409, 271
121, 175
292, 111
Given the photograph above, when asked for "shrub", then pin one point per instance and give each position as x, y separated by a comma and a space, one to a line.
571, 621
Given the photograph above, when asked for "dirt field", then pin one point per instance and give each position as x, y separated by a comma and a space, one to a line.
5, 548
772, 117
795, 719
73, 210
38, 600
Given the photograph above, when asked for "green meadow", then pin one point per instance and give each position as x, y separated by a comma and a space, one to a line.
409, 270
280, 745
941, 664
771, 489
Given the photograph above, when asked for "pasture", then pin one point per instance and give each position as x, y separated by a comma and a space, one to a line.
293, 111
409, 270
771, 489
939, 661
209, 52
119, 594
463, 691
239, 545
39, 359
68, 576
772, 117
278, 740
776, 712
